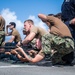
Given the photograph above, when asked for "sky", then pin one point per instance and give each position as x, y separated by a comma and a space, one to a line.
20, 10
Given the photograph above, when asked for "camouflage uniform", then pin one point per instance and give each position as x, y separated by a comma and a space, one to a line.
2, 30
60, 45
33, 42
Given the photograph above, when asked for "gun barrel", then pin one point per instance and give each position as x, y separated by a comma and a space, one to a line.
8, 47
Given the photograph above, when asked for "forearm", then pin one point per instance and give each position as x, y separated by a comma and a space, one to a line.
21, 58
37, 58
6, 30
9, 41
29, 38
29, 58
25, 41
42, 16
72, 21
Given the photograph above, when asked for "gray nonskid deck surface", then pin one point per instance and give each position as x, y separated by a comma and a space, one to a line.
24, 69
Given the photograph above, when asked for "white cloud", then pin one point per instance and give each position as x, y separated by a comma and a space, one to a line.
10, 16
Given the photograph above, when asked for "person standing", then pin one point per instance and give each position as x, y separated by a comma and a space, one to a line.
68, 15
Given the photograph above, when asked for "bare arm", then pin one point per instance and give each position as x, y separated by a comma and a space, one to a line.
7, 33
12, 39
42, 17
29, 38
72, 21
18, 55
37, 58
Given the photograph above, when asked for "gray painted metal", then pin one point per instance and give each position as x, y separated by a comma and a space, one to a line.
25, 69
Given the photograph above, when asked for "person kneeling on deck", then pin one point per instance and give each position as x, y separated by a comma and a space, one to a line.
58, 43
31, 52
15, 36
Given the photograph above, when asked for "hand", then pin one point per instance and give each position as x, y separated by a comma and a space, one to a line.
7, 53
18, 48
7, 26
72, 21
14, 52
18, 44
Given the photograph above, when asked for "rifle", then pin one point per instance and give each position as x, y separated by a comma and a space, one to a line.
8, 47
26, 48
